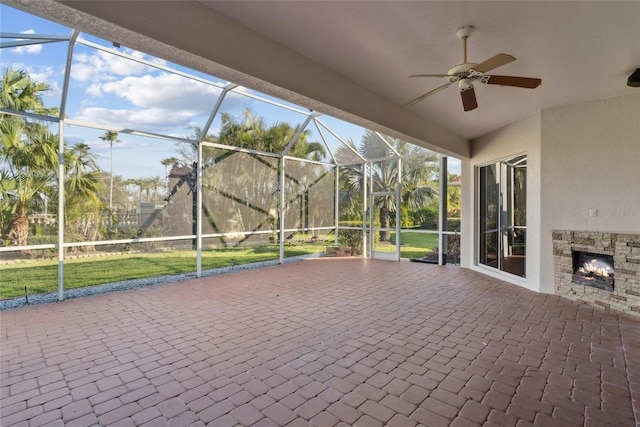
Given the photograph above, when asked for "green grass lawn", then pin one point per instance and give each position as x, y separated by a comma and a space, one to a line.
41, 276
415, 245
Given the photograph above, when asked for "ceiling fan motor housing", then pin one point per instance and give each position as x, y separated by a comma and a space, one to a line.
459, 72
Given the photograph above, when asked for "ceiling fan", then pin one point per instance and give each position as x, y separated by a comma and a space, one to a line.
468, 73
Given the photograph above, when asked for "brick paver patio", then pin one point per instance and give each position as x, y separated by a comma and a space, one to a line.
324, 342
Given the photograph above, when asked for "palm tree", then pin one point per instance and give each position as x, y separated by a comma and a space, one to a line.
252, 132
79, 161
136, 182
112, 137
82, 186
82, 175
169, 161
155, 182
131, 182
28, 151
19, 92
30, 168
417, 176
146, 186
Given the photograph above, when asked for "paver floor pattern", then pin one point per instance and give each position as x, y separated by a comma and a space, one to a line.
324, 342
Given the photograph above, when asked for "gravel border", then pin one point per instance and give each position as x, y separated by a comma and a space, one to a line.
139, 283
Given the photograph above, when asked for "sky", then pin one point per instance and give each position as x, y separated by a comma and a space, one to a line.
108, 90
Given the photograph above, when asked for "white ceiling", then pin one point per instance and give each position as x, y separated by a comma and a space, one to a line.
355, 56
582, 50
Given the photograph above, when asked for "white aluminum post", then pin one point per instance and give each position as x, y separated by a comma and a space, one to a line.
365, 207
282, 206
442, 208
61, 212
372, 234
398, 218
199, 213
199, 173
63, 109
336, 212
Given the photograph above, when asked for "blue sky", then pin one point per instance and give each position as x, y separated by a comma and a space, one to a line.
109, 90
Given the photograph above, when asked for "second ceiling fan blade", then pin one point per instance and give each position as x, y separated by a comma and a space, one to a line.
524, 82
494, 62
431, 92
469, 101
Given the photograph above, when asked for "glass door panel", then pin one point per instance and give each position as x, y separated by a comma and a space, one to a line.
514, 225
502, 215
489, 208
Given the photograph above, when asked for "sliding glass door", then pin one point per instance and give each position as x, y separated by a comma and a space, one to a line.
503, 215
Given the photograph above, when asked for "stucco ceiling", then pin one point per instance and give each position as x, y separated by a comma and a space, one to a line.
353, 58
581, 50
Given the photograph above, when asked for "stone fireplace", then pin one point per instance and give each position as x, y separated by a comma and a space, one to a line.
598, 268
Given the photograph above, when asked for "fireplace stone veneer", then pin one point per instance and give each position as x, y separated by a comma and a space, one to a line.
625, 250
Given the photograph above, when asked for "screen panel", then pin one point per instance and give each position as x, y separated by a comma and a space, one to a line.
240, 192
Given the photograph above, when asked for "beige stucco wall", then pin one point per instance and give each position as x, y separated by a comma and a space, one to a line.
583, 159
590, 161
522, 137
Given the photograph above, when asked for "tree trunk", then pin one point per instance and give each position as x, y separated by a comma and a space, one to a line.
385, 236
19, 229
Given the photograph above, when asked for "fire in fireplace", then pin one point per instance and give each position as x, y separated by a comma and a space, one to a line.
595, 270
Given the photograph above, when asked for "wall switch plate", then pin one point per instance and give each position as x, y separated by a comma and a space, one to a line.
593, 212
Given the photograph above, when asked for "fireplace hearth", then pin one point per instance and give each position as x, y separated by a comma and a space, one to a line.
595, 270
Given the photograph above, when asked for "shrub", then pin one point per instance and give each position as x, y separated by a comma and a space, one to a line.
427, 217
351, 238
453, 224
41, 240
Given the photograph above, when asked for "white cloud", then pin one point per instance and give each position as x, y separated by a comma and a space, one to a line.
165, 91
30, 49
152, 119
122, 92
104, 66
95, 90
164, 103
42, 74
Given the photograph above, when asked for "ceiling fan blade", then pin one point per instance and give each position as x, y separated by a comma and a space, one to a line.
494, 62
430, 75
431, 92
524, 82
469, 101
